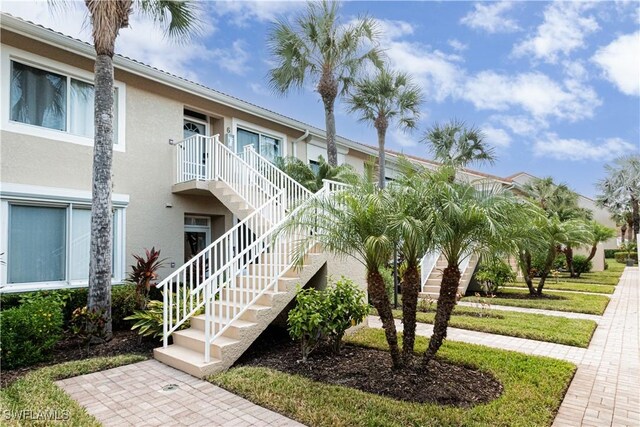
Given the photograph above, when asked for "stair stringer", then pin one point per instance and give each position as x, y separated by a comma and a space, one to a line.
227, 348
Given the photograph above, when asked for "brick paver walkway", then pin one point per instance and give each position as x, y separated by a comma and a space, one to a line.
606, 388
133, 395
567, 314
533, 347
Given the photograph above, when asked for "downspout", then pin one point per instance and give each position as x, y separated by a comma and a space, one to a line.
295, 142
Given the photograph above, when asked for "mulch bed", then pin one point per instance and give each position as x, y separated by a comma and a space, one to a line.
71, 348
370, 370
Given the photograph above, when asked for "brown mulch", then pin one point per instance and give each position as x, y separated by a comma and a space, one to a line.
370, 370
71, 348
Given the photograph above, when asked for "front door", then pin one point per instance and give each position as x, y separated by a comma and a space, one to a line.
197, 235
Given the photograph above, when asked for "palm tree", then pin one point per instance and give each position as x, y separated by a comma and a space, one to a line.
353, 223
107, 18
318, 46
621, 188
456, 145
387, 97
468, 218
410, 221
313, 179
599, 234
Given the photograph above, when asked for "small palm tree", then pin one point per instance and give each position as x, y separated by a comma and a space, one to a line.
107, 18
318, 46
599, 234
621, 188
353, 223
386, 98
313, 179
457, 145
468, 218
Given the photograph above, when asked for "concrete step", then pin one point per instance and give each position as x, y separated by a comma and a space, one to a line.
193, 339
235, 329
186, 360
244, 295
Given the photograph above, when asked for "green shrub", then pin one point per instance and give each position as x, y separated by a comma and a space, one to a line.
493, 274
149, 322
560, 263
123, 304
345, 307
623, 256
610, 253
581, 265
307, 320
29, 331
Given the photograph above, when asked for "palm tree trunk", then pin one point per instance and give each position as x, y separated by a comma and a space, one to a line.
551, 255
410, 290
381, 128
525, 266
99, 298
635, 215
594, 248
381, 302
630, 229
328, 90
568, 253
623, 232
446, 302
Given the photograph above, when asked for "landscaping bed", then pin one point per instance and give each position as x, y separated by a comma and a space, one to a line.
571, 286
444, 383
560, 301
71, 348
533, 388
555, 329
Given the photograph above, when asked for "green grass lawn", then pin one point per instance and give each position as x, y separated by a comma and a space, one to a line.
561, 301
533, 390
36, 391
571, 286
611, 276
560, 330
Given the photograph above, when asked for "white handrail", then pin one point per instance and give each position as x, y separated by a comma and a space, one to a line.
464, 262
295, 191
427, 264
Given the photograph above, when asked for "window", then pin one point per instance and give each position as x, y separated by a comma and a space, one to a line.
51, 100
265, 145
314, 165
51, 243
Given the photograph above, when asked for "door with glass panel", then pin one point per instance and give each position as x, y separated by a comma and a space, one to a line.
197, 235
198, 160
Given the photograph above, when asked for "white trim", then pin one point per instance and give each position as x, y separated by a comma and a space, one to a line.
51, 194
235, 123
68, 198
10, 53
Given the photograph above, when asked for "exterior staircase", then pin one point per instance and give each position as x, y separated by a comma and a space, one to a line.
218, 303
432, 267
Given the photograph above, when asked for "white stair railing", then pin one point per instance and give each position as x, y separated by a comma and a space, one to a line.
427, 264
205, 158
464, 263
296, 193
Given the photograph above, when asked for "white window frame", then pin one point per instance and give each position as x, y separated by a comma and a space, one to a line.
320, 148
26, 195
9, 54
248, 126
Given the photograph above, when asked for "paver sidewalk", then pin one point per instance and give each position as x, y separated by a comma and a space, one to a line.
503, 342
133, 395
606, 388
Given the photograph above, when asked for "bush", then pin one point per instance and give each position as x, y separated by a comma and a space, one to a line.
29, 331
623, 256
560, 263
149, 322
610, 253
326, 314
581, 265
346, 307
493, 274
123, 304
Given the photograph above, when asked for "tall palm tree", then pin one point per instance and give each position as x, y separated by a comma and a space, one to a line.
386, 98
353, 223
313, 179
457, 145
621, 187
107, 18
469, 218
599, 234
321, 48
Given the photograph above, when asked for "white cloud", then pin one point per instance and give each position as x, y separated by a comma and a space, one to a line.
534, 92
620, 61
403, 139
143, 41
233, 59
521, 125
392, 29
563, 30
491, 18
242, 13
577, 149
259, 89
496, 136
457, 45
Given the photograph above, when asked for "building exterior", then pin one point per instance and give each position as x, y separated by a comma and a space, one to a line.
46, 153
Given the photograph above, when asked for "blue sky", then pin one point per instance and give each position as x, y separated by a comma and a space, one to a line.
554, 86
